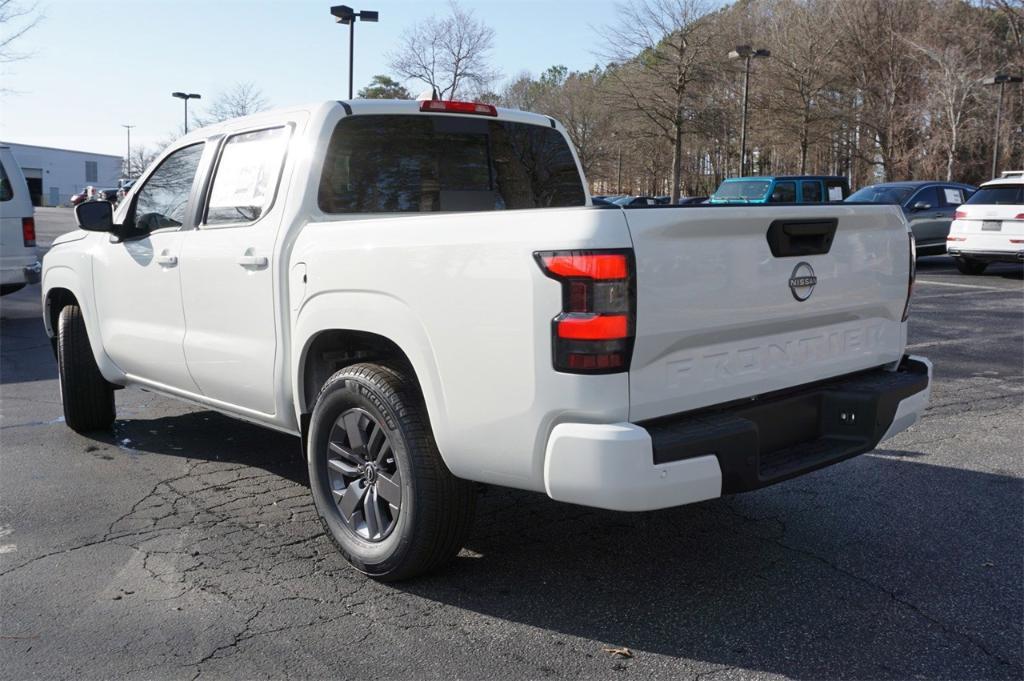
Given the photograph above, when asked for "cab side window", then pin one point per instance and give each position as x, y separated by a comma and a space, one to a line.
811, 191
246, 178
929, 196
162, 201
784, 192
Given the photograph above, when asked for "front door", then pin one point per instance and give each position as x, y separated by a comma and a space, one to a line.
227, 274
137, 280
928, 221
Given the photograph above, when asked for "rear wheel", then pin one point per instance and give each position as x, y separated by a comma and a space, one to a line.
87, 397
970, 266
383, 493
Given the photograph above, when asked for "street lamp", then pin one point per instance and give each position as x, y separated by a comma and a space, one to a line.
746, 53
186, 96
128, 156
346, 15
1000, 79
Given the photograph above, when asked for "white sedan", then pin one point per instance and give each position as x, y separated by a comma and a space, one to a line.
990, 226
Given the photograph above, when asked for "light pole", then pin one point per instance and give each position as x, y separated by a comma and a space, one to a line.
746, 53
186, 96
128, 156
1000, 79
346, 15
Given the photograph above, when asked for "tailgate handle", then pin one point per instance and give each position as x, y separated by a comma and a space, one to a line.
789, 238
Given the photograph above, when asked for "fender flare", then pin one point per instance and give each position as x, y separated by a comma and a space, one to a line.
370, 312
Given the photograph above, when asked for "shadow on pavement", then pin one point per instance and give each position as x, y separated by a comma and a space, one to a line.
871, 569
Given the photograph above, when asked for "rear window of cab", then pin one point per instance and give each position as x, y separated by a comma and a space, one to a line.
431, 163
999, 194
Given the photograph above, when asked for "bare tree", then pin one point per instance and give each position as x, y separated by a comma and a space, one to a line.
661, 48
953, 72
243, 99
16, 19
450, 54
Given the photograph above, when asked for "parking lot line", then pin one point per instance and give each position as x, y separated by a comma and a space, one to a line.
947, 283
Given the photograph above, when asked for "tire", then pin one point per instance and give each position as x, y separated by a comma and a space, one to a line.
970, 266
10, 288
356, 408
87, 397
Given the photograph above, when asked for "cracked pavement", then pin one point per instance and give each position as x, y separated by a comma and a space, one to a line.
184, 545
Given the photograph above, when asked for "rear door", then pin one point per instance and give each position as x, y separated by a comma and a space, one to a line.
721, 317
227, 273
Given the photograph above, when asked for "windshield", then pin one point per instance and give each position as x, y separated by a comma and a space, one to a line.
743, 190
999, 194
881, 194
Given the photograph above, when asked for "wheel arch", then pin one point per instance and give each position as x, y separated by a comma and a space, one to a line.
335, 329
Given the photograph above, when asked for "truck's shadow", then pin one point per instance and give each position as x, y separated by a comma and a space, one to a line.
883, 567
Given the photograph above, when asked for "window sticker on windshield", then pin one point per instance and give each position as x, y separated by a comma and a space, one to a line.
835, 193
954, 196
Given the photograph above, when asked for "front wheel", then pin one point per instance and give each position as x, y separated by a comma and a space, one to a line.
383, 493
87, 397
970, 266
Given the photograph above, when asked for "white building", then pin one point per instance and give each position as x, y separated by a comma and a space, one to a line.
53, 175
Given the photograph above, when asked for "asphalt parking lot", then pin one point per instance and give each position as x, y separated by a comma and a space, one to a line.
185, 544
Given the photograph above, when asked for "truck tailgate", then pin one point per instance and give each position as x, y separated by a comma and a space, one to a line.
727, 311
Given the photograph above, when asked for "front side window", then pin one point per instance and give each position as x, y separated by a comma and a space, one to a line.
812, 191
784, 192
247, 174
929, 196
1000, 194
421, 163
163, 199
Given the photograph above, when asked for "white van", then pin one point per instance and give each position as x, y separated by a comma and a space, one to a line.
19, 260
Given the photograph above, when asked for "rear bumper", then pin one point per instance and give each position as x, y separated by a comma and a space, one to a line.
697, 456
20, 271
1016, 255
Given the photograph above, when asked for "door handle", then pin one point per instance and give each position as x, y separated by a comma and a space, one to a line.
252, 261
166, 259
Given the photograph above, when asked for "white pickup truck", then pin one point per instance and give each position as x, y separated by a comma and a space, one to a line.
424, 292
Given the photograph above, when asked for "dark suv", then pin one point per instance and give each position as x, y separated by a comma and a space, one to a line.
927, 205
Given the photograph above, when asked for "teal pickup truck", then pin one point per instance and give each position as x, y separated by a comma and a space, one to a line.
781, 189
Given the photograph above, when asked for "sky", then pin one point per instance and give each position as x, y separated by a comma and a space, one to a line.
96, 65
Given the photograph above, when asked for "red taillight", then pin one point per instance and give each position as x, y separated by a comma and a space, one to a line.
1017, 241
911, 275
956, 238
594, 332
440, 106
28, 231
590, 266
593, 327
1019, 216
959, 214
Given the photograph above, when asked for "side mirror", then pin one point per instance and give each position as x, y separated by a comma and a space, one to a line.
95, 216
922, 205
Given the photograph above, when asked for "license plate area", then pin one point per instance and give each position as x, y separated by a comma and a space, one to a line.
992, 226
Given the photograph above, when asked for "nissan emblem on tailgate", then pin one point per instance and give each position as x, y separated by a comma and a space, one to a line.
802, 281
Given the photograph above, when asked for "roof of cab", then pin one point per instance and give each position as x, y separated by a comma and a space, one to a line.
356, 107
784, 177
1009, 177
